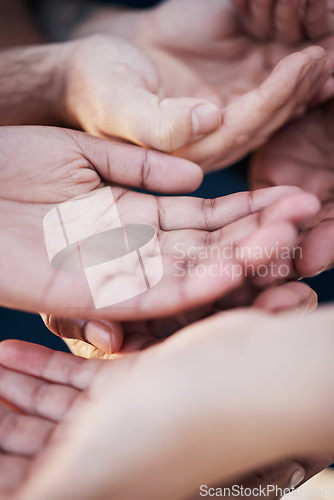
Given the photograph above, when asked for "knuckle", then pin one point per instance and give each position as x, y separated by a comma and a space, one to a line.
163, 137
208, 209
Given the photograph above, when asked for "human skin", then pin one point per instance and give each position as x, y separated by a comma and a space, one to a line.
302, 155
294, 296
263, 420
153, 93
217, 57
56, 165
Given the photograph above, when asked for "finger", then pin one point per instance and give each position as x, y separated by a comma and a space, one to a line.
22, 434
164, 125
34, 396
106, 336
317, 20
261, 17
52, 366
317, 247
199, 277
291, 209
162, 300
13, 471
196, 280
138, 167
287, 21
212, 214
295, 209
256, 16
294, 81
242, 6
289, 296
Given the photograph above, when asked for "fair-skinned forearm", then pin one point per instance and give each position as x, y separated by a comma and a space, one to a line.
29, 79
31, 85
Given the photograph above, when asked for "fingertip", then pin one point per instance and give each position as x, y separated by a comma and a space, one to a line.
183, 177
206, 118
287, 297
24, 355
266, 196
8, 348
296, 208
105, 336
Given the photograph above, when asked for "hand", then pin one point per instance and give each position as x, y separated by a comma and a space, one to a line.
301, 155
215, 59
102, 340
166, 439
30, 433
54, 165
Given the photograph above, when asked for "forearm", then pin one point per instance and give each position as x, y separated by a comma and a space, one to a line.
32, 85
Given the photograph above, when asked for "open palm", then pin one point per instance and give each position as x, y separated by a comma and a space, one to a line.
302, 154
54, 166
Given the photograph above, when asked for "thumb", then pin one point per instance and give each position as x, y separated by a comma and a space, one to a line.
162, 124
171, 123
139, 167
87, 338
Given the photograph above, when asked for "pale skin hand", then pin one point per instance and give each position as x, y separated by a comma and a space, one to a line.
134, 336
216, 59
189, 409
302, 155
27, 437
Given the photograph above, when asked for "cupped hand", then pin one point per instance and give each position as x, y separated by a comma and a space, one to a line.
258, 85
302, 155
54, 166
167, 404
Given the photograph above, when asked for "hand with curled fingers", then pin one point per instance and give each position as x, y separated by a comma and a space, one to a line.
61, 397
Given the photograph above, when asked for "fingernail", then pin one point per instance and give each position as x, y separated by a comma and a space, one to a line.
297, 477
99, 335
205, 119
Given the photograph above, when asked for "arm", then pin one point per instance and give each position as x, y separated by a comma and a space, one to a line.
32, 85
